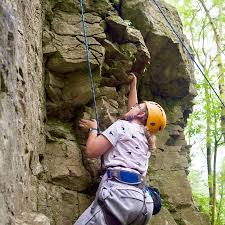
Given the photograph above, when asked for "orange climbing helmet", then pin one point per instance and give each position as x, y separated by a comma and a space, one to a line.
156, 117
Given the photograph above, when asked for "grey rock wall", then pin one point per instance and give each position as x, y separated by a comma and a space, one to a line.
21, 109
45, 90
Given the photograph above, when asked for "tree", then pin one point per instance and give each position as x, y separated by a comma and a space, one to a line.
217, 29
203, 22
221, 191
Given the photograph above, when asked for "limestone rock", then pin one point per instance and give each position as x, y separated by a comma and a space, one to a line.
188, 216
69, 24
102, 8
32, 219
109, 92
74, 91
175, 190
108, 111
170, 65
56, 129
121, 33
169, 160
117, 27
164, 217
60, 205
21, 105
63, 165
68, 42
70, 54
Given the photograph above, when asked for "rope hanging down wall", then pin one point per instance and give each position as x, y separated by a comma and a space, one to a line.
89, 65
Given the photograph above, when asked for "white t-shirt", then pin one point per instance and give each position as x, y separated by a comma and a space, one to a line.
130, 147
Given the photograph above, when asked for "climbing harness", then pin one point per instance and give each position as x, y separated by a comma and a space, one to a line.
89, 66
134, 179
185, 47
126, 177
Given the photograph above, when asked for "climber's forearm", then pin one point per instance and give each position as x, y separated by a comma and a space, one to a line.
132, 99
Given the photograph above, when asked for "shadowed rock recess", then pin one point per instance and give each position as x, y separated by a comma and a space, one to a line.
45, 89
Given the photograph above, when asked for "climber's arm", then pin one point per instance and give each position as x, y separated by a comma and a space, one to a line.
96, 145
132, 99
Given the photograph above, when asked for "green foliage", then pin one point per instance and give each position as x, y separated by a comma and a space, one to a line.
204, 123
116, 2
195, 124
200, 195
202, 202
218, 2
221, 196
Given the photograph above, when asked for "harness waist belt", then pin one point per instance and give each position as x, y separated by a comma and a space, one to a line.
125, 177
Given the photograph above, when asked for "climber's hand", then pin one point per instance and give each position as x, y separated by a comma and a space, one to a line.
86, 124
133, 82
96, 145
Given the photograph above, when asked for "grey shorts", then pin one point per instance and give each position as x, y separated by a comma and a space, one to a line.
118, 204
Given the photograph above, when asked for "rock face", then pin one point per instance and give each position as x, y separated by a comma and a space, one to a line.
21, 108
45, 89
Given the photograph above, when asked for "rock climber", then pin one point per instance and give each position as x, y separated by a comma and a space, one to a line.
126, 146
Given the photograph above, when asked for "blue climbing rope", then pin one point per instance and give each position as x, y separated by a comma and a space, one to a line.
89, 65
185, 47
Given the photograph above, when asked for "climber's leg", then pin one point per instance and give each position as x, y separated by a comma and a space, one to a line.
92, 215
